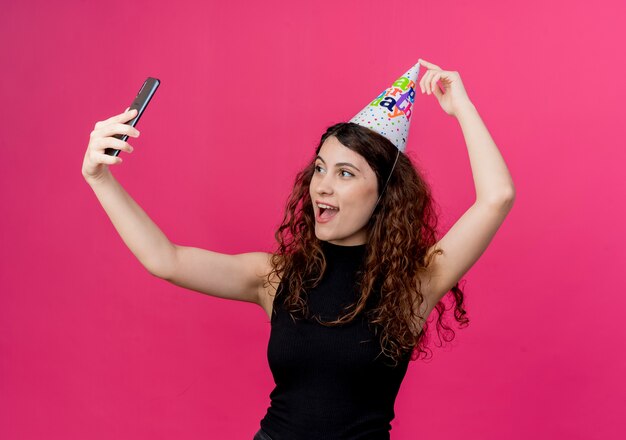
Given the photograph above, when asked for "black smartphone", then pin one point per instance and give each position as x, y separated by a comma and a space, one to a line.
140, 103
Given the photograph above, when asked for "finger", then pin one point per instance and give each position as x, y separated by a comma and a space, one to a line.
123, 117
128, 114
118, 128
429, 84
106, 132
437, 91
426, 80
423, 81
433, 82
106, 159
111, 142
427, 64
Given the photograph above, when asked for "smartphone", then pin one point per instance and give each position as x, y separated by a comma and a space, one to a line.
140, 103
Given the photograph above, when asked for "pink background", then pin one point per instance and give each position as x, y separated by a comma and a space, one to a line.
92, 346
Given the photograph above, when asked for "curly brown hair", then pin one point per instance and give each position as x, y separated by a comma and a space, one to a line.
400, 232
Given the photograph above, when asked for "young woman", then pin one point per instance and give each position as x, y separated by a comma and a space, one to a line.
356, 273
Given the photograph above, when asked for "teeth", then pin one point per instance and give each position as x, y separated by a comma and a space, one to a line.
324, 206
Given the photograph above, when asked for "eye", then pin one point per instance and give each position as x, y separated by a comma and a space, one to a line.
318, 167
346, 171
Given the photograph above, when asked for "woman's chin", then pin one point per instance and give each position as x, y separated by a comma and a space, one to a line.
321, 234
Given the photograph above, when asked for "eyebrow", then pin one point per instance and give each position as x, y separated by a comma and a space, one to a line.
338, 164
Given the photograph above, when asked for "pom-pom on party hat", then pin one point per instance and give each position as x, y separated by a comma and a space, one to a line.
389, 114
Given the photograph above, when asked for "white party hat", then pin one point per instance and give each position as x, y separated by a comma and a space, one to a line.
389, 114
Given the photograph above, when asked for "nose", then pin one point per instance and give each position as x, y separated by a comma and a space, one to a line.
324, 184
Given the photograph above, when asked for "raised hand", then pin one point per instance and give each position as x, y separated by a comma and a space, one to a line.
453, 97
95, 163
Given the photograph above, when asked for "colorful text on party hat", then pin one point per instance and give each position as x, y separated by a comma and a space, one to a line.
398, 98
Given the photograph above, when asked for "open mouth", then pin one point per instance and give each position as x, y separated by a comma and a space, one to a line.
327, 213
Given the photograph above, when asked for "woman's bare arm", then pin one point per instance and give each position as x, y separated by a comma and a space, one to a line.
236, 277
142, 236
469, 237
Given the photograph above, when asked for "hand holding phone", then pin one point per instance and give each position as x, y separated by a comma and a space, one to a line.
140, 103
109, 137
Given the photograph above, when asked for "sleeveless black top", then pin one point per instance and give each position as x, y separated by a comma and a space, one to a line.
331, 382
